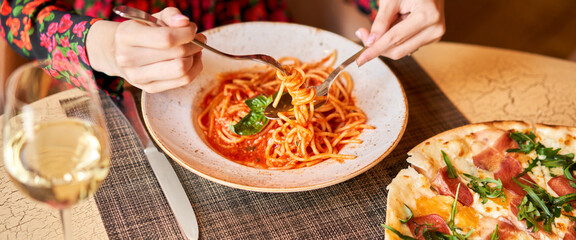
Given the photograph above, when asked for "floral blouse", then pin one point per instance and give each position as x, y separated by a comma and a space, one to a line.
55, 31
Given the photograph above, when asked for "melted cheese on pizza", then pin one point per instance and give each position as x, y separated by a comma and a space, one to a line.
466, 217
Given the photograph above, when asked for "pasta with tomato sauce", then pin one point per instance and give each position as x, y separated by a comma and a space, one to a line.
305, 137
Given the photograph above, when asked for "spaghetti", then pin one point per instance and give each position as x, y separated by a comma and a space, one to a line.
308, 137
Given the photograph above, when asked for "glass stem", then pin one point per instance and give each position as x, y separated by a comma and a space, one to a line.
66, 224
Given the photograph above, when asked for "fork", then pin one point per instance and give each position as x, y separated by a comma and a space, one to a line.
322, 91
139, 15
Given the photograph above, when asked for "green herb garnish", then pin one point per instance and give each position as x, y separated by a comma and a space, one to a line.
531, 164
568, 173
526, 142
539, 206
449, 167
410, 215
564, 199
399, 234
567, 208
572, 218
486, 187
451, 224
548, 157
255, 120
494, 235
527, 211
432, 234
427, 233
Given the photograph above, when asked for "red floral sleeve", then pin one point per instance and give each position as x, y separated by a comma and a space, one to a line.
369, 7
46, 30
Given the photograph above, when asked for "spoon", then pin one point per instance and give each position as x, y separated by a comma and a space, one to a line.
322, 91
139, 15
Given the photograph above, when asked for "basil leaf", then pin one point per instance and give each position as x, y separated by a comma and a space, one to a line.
259, 103
450, 169
255, 120
249, 125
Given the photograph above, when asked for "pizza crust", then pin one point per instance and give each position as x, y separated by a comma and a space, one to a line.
459, 145
405, 188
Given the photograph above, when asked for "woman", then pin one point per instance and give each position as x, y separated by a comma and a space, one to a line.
160, 58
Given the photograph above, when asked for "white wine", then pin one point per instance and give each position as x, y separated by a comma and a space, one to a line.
60, 162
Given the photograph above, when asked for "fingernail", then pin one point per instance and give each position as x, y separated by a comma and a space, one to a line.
202, 38
360, 61
370, 39
358, 34
179, 17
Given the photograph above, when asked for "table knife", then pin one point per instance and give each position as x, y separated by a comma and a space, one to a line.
164, 172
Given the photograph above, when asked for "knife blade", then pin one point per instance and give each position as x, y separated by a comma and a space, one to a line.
171, 186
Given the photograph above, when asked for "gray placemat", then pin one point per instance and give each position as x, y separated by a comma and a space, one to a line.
133, 207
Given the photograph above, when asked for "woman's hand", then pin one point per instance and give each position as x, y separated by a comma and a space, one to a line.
401, 27
151, 58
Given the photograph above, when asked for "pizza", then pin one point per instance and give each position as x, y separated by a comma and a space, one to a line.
494, 180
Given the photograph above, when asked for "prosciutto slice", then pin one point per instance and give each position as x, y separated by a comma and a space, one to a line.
447, 186
571, 233
510, 168
432, 222
561, 185
497, 142
506, 230
494, 158
515, 201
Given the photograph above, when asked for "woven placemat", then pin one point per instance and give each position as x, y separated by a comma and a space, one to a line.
130, 200
133, 206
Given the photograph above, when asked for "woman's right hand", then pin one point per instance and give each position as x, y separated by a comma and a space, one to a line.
401, 27
151, 58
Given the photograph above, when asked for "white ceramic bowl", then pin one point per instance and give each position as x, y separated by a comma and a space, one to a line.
170, 115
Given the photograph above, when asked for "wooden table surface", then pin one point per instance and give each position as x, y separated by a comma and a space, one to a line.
485, 83
489, 84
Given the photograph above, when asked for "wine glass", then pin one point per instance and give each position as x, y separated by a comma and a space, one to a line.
56, 145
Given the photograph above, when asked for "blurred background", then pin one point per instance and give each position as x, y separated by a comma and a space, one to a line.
536, 26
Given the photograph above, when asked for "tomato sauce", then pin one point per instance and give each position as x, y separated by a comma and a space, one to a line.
250, 152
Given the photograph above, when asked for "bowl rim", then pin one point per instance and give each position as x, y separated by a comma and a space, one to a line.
166, 149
